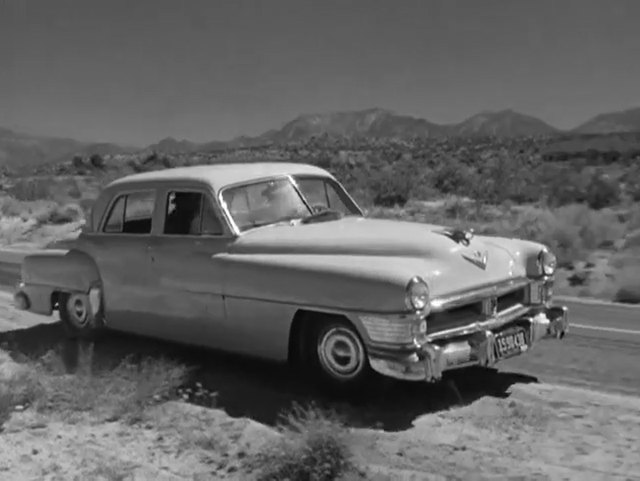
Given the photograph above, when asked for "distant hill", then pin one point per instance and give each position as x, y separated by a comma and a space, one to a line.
22, 152
504, 123
612, 122
173, 146
363, 123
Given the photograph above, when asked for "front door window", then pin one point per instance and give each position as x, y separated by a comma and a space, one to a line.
191, 213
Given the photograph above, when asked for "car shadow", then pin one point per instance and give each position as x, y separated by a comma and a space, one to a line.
263, 391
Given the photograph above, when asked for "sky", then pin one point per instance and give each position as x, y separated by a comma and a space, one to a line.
137, 71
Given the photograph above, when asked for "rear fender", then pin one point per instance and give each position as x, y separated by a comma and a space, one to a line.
45, 274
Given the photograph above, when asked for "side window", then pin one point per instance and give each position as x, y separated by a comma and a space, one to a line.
131, 214
115, 220
191, 213
321, 194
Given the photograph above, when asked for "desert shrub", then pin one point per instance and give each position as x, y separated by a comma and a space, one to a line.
313, 447
391, 185
602, 191
570, 230
29, 189
11, 207
97, 161
77, 162
451, 177
628, 283
542, 225
503, 178
52, 213
595, 228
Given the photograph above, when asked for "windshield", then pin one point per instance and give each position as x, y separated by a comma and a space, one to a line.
263, 203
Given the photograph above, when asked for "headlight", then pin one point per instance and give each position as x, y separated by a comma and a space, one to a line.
417, 297
547, 262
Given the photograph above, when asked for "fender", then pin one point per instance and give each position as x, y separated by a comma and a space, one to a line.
45, 273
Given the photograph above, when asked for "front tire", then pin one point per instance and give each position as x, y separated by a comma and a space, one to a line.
78, 317
338, 355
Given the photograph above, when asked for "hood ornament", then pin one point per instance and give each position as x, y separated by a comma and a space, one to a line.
461, 236
478, 258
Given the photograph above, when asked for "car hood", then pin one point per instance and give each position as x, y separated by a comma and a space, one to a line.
371, 238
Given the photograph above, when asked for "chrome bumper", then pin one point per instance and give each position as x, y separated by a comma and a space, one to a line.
429, 360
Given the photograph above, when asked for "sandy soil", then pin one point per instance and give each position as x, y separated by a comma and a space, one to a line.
537, 431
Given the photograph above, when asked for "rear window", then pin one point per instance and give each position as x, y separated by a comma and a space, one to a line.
131, 214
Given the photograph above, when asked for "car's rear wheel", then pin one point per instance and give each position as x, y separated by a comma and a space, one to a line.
77, 316
339, 355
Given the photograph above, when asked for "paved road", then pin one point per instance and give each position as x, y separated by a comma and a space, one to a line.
602, 349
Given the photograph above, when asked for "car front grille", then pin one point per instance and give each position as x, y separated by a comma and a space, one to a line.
475, 311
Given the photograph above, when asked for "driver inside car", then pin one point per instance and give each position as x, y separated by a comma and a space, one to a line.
185, 217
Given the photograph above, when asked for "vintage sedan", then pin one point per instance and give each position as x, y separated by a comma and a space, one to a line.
277, 261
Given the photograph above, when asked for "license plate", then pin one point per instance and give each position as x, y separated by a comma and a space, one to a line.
510, 343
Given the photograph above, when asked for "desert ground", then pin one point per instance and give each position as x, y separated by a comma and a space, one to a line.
136, 409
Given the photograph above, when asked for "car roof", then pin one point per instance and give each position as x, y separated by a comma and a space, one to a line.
223, 174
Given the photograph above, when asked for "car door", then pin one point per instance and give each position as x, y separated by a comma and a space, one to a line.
119, 248
185, 256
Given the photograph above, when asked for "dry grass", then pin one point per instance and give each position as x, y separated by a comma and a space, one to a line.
39, 222
314, 447
122, 393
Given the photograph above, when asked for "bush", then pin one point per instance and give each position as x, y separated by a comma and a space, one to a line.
628, 283
451, 177
97, 161
77, 162
56, 214
602, 192
390, 187
313, 447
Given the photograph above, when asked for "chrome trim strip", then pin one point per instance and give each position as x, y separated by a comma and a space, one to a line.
327, 308
458, 299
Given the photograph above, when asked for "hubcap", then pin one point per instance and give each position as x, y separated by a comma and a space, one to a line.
78, 310
341, 353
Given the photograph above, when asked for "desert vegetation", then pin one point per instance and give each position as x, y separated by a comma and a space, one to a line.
92, 416
579, 194
143, 393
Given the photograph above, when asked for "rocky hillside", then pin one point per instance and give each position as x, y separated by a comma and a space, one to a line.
22, 152
624, 121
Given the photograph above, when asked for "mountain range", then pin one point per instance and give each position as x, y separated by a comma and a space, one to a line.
20, 151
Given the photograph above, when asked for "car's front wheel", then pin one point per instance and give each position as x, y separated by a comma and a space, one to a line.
77, 316
339, 355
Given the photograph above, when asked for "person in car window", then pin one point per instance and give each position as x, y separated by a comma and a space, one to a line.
185, 217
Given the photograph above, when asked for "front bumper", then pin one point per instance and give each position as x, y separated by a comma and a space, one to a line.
427, 361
